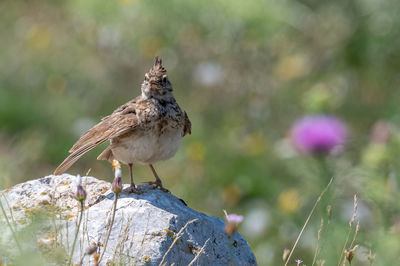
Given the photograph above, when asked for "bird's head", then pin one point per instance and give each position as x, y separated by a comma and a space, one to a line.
156, 83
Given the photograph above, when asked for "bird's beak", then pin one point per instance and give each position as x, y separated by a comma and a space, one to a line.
153, 83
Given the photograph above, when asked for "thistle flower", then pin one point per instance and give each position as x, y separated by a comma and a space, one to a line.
80, 191
232, 222
318, 134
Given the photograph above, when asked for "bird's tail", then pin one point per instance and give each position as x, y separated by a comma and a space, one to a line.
72, 158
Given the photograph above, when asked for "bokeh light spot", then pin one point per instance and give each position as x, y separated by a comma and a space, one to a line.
39, 37
291, 67
254, 144
56, 84
196, 151
289, 200
150, 46
126, 2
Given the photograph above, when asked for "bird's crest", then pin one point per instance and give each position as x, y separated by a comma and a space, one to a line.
157, 70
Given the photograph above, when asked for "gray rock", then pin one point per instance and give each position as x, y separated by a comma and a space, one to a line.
143, 231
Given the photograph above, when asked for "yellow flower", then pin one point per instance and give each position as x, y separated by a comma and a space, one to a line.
289, 200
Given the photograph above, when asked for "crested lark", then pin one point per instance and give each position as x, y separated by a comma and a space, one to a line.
145, 130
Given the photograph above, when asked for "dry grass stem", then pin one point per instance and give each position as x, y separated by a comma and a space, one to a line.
353, 217
123, 239
308, 219
198, 254
178, 236
321, 225
119, 241
355, 233
110, 226
142, 242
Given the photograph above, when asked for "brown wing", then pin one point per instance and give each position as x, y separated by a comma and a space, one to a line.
118, 123
125, 109
187, 129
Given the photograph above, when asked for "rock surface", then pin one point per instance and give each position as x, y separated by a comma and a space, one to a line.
144, 228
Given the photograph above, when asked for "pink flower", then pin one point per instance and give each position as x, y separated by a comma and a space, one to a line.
234, 218
318, 134
232, 222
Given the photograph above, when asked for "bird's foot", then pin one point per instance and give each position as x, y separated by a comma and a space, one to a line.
157, 184
134, 189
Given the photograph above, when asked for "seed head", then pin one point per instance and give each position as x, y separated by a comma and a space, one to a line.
80, 191
285, 254
116, 185
349, 253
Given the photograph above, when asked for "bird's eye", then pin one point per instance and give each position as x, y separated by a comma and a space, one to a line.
164, 78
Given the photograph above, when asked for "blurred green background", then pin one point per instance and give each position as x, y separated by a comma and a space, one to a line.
244, 71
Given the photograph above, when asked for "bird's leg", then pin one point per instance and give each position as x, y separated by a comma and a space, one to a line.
158, 182
133, 187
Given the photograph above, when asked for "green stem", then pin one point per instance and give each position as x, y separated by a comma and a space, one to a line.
325, 173
76, 233
9, 225
307, 220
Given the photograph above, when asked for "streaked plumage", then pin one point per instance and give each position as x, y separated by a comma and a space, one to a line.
145, 130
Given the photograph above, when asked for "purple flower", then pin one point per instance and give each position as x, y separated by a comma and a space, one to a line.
318, 134
298, 261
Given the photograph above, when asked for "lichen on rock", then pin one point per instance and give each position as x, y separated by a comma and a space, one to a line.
144, 228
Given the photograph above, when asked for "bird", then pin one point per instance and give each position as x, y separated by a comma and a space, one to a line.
145, 130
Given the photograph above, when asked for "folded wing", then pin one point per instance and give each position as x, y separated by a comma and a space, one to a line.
110, 127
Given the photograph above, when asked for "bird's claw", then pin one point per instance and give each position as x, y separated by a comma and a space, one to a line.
159, 185
134, 189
